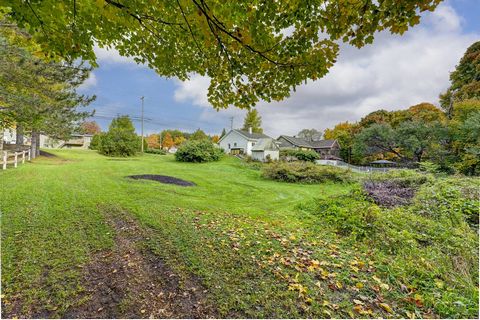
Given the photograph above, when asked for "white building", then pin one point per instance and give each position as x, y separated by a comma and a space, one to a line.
240, 141
265, 150
76, 141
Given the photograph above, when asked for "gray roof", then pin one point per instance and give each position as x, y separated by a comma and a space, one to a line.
252, 135
322, 143
296, 141
265, 144
309, 144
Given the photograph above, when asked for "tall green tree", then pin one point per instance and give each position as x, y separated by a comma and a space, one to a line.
224, 132
37, 95
465, 80
251, 50
253, 120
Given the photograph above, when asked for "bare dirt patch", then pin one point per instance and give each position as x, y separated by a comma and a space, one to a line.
163, 179
130, 282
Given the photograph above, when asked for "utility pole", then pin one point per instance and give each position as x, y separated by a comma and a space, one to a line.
231, 123
142, 98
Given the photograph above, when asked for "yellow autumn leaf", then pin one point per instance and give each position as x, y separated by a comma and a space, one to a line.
386, 307
384, 286
358, 302
359, 285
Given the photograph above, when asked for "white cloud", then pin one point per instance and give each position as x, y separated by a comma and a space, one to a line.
393, 73
111, 56
89, 83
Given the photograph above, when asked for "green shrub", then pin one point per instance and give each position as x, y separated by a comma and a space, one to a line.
416, 245
404, 177
350, 215
301, 155
454, 200
119, 143
198, 151
304, 172
120, 140
96, 140
156, 151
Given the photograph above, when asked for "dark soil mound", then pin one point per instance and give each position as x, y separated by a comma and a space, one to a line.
163, 179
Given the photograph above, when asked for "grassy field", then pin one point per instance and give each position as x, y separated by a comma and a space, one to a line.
245, 243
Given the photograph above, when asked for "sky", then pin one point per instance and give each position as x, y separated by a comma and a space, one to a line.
393, 73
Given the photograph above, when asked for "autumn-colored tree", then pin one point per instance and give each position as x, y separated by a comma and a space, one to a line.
90, 127
376, 117
153, 141
179, 140
425, 112
215, 139
344, 133
167, 142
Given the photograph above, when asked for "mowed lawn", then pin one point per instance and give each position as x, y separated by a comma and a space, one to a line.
54, 220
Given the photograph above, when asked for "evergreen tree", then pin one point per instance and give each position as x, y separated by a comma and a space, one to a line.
253, 120
224, 132
121, 139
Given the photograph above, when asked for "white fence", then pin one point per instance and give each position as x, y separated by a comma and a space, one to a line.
9, 157
339, 163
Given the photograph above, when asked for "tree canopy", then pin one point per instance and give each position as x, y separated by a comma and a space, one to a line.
251, 50
310, 134
465, 80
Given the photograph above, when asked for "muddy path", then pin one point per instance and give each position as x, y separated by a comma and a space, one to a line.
128, 281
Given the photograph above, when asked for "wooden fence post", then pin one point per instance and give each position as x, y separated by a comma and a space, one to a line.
23, 156
16, 159
29, 158
4, 157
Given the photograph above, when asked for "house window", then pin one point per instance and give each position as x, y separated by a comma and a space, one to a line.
229, 146
234, 144
253, 143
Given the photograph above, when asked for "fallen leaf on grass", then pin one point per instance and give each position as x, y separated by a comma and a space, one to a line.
358, 302
386, 307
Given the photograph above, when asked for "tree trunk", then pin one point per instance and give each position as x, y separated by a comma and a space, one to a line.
1, 138
19, 137
38, 144
33, 145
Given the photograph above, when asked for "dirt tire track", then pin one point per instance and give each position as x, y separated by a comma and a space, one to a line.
128, 282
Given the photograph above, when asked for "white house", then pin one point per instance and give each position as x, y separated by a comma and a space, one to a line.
240, 141
265, 149
76, 141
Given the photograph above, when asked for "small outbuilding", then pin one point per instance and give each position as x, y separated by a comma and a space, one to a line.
265, 150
